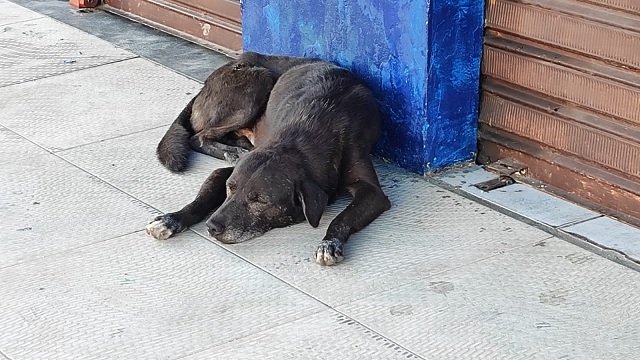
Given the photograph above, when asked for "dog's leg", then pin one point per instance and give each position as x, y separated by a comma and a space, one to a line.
239, 140
368, 202
211, 195
218, 150
209, 140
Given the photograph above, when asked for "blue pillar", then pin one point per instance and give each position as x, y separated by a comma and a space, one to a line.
420, 57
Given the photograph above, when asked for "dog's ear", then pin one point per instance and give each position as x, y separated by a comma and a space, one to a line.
314, 201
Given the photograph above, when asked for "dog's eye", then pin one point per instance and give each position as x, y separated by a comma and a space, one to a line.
256, 197
232, 186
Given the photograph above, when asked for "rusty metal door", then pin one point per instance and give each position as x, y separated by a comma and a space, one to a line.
561, 93
213, 23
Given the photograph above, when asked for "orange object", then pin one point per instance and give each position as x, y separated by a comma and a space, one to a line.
84, 3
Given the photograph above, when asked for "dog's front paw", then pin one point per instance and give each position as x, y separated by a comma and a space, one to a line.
329, 252
162, 227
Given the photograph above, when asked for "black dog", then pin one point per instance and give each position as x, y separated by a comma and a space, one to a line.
313, 141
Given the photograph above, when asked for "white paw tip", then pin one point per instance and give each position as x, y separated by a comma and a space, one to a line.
325, 255
158, 230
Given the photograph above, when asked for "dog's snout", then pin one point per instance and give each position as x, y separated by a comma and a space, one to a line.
215, 228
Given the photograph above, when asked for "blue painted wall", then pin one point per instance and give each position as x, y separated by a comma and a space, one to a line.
420, 57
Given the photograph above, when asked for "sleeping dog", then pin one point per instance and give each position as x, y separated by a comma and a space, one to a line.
309, 126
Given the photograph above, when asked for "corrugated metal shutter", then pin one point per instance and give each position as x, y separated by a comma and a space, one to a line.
213, 23
561, 93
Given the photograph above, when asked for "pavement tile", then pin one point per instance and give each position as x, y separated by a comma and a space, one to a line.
178, 54
551, 300
134, 298
129, 162
611, 234
49, 206
93, 105
326, 335
11, 13
521, 199
43, 47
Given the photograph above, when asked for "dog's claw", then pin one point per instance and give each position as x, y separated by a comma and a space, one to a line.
329, 252
231, 158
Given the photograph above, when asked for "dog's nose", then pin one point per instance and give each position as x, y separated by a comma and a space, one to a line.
215, 228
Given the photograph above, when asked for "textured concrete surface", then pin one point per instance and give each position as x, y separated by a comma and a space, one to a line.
611, 234
425, 213
187, 58
548, 300
43, 47
522, 199
49, 205
47, 109
550, 212
436, 277
12, 14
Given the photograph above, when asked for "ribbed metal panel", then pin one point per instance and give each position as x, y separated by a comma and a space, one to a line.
625, 5
562, 94
563, 134
562, 30
580, 88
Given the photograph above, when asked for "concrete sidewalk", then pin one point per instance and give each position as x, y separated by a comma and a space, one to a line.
436, 277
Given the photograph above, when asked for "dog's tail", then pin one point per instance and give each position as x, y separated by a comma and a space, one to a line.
173, 150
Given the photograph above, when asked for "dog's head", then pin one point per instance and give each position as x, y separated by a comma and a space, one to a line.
266, 191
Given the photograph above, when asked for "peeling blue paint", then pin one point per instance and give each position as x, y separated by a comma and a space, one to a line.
420, 57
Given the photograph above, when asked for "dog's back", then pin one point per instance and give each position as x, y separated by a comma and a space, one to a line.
321, 105
326, 114
278, 65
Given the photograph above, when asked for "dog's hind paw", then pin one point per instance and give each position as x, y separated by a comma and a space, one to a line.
329, 252
162, 227
233, 157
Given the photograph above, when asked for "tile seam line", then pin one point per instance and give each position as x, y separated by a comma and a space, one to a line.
133, 57
59, 151
504, 252
150, 59
42, 16
302, 291
198, 351
334, 308
593, 243
218, 245
5, 355
252, 334
69, 250
86, 171
259, 267
430, 277
548, 237
577, 222
166, 67
609, 254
